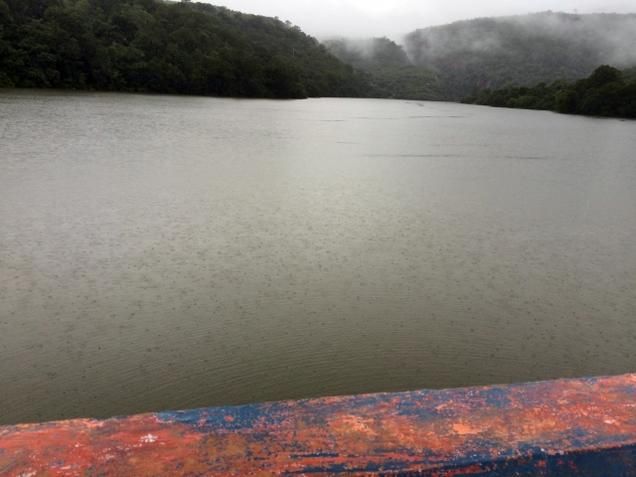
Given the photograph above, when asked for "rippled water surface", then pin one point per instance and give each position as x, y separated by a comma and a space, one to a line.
165, 252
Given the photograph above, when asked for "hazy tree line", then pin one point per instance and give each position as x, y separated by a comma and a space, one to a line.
607, 92
166, 47
390, 71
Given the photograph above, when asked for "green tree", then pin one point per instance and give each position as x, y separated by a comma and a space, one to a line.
566, 101
607, 92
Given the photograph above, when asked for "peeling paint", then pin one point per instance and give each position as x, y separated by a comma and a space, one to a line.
568, 427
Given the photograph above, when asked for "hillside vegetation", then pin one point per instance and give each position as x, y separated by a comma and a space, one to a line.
164, 47
390, 71
607, 92
470, 56
196, 48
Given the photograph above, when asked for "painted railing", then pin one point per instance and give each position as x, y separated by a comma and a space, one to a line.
581, 427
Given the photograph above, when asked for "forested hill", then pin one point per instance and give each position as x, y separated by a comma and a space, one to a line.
522, 50
196, 48
164, 47
607, 92
391, 72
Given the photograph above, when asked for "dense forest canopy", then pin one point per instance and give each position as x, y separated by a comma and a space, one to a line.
391, 72
607, 92
167, 47
522, 50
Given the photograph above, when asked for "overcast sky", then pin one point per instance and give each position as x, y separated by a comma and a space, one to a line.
393, 18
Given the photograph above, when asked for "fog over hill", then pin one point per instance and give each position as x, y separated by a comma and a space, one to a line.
456, 60
196, 48
391, 72
378, 18
522, 50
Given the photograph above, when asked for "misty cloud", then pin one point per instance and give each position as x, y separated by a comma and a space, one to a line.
365, 18
608, 36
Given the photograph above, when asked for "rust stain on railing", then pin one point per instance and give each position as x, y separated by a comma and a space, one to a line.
575, 427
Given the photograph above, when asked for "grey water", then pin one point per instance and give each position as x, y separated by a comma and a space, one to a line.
161, 252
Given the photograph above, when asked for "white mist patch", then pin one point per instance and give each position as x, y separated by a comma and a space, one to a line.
148, 439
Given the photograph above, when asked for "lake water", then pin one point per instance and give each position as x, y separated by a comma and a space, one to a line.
161, 252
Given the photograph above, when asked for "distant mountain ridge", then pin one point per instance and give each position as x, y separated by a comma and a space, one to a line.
460, 59
523, 50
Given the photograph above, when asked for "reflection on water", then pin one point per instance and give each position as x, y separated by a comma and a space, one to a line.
165, 252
